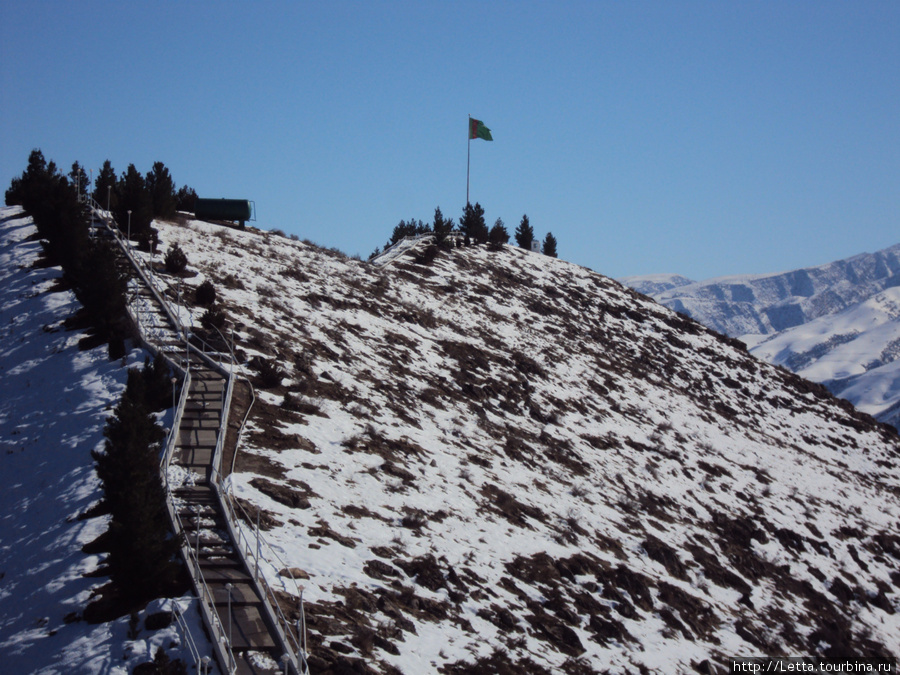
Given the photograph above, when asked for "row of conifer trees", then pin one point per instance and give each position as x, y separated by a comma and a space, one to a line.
473, 228
141, 551
89, 265
140, 548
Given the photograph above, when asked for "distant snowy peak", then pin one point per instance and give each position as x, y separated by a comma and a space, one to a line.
654, 284
854, 352
768, 303
838, 324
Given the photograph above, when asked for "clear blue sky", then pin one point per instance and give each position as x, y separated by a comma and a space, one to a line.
703, 138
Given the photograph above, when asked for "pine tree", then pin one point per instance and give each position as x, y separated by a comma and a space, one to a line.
411, 228
472, 224
157, 383
213, 318
79, 179
141, 551
480, 233
205, 293
161, 189
550, 245
176, 260
498, 236
442, 227
62, 221
32, 189
466, 223
185, 199
524, 233
105, 187
101, 289
134, 196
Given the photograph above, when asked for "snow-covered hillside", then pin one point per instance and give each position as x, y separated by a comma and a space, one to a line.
502, 462
54, 400
837, 324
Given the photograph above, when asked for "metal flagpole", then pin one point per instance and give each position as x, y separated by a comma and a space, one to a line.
468, 155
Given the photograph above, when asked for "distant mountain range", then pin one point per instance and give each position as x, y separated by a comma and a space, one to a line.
836, 323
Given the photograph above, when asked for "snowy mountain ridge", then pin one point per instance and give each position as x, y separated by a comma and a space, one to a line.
762, 304
837, 324
502, 462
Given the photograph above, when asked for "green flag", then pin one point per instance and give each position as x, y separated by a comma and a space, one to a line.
478, 130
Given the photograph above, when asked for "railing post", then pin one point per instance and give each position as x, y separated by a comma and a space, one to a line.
229, 586
197, 554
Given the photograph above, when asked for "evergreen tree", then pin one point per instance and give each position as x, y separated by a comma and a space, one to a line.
30, 191
13, 194
176, 260
157, 383
52, 202
105, 180
134, 196
79, 179
550, 245
480, 230
472, 224
101, 289
411, 228
62, 221
185, 199
37, 166
524, 233
141, 557
161, 189
466, 223
205, 293
498, 236
442, 227
161, 665
213, 317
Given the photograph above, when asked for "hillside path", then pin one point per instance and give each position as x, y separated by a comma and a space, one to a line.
246, 637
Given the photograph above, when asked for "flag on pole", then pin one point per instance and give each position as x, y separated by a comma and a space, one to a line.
478, 130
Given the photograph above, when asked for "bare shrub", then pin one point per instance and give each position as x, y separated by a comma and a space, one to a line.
232, 282
270, 373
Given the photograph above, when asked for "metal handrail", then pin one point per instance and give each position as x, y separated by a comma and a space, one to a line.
176, 424
377, 260
230, 502
221, 644
243, 424
178, 613
295, 641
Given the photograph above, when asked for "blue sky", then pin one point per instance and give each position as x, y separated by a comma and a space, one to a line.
703, 138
